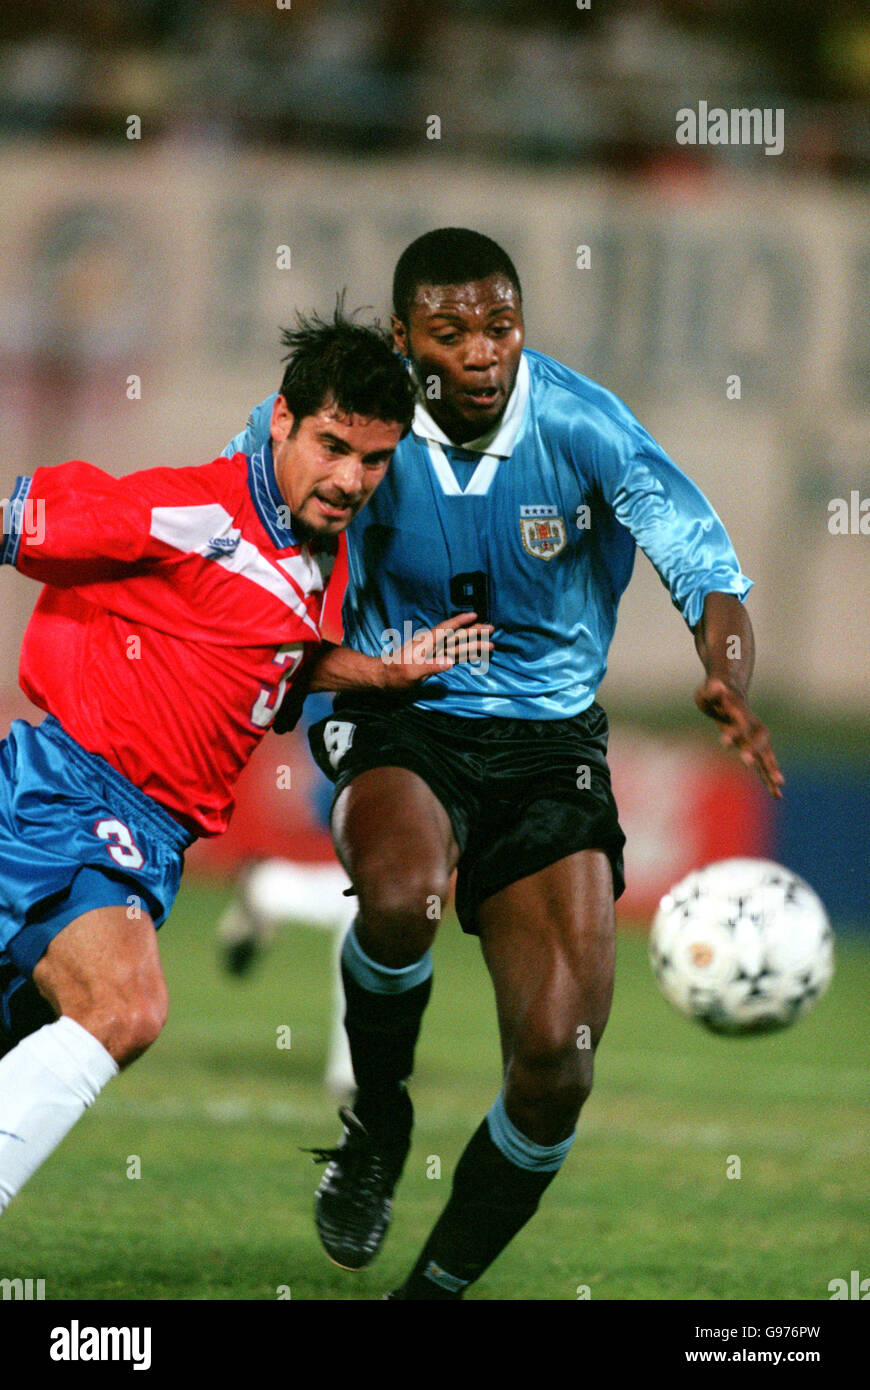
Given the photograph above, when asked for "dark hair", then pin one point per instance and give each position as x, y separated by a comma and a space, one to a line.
448, 256
350, 365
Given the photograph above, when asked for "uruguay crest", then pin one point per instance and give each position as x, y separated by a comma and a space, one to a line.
543, 531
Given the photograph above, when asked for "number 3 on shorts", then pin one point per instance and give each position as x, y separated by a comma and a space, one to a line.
120, 843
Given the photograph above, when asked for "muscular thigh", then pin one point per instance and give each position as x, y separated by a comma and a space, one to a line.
396, 841
548, 941
406, 790
389, 817
102, 963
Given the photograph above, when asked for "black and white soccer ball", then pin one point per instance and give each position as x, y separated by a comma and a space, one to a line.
743, 946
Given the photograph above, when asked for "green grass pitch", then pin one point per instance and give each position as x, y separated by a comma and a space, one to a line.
217, 1113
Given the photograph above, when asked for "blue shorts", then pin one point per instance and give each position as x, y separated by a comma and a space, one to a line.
75, 835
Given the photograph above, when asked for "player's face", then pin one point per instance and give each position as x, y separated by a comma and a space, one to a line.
329, 467
469, 338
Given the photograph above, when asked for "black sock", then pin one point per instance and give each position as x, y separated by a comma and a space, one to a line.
382, 1030
492, 1199
22, 1007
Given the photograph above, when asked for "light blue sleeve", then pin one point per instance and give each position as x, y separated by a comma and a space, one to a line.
256, 431
672, 522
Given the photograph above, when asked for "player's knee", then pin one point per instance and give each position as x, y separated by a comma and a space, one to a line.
139, 1027
546, 1113
400, 909
127, 1029
552, 1077
395, 936
144, 1027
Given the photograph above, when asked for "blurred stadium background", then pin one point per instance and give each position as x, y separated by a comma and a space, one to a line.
178, 177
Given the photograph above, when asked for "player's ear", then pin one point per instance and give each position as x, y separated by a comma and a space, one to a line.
282, 421
400, 335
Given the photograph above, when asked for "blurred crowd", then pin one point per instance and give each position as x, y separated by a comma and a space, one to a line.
550, 81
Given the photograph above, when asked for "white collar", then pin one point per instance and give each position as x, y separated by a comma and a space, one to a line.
501, 438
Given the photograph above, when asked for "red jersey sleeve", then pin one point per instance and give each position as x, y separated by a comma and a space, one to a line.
74, 524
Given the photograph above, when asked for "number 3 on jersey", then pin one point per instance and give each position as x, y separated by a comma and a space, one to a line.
269, 700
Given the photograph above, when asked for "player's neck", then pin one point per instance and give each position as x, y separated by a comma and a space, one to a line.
461, 432
318, 542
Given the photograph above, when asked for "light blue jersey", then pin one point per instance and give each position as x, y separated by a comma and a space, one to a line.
533, 527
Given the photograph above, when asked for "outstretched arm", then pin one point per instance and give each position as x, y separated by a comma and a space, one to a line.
71, 523
726, 646
428, 654
672, 521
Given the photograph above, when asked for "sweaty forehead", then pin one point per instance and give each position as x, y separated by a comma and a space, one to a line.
331, 414
332, 417
365, 431
475, 297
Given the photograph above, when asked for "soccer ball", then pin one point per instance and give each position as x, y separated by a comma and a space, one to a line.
743, 946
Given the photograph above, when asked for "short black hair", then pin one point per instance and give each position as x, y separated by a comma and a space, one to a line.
448, 256
347, 364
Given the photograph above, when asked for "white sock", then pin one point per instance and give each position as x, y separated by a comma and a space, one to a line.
312, 894
280, 891
47, 1082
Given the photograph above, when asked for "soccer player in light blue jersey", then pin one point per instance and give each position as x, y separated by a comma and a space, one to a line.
521, 493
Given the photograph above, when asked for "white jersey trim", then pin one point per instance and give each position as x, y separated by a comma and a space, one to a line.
499, 441
478, 484
194, 530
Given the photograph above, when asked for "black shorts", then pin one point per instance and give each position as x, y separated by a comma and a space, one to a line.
521, 794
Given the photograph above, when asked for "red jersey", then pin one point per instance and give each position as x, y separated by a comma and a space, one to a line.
177, 605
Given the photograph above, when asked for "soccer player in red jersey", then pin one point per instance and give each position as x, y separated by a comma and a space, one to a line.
178, 605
